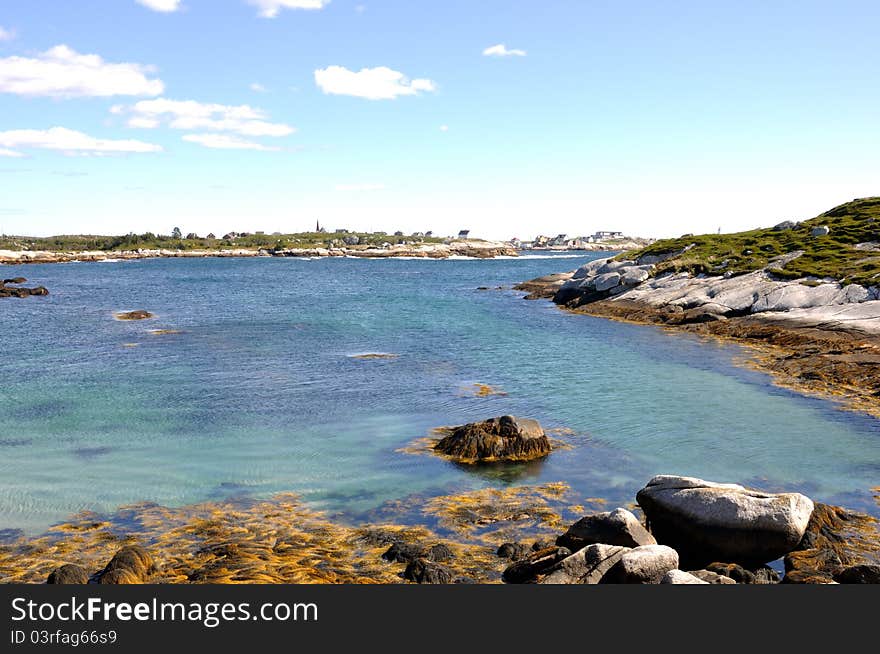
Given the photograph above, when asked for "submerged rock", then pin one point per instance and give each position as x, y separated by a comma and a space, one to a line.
68, 574
504, 438
707, 521
618, 527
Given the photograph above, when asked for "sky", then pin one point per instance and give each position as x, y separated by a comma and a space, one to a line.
508, 118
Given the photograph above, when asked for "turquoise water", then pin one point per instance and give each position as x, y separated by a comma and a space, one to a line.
259, 392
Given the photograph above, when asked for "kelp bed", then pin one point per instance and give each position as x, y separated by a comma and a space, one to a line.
280, 540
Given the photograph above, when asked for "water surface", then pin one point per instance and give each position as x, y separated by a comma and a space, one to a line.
258, 392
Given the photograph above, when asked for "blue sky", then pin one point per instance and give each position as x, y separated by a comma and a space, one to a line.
653, 118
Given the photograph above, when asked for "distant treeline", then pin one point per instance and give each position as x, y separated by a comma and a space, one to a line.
179, 241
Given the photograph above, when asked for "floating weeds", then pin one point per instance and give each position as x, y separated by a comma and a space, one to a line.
282, 541
140, 314
164, 332
482, 390
498, 515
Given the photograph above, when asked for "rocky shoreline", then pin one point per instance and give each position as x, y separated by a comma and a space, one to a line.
471, 249
681, 530
815, 336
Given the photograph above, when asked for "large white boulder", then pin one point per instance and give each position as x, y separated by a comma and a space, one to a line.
707, 521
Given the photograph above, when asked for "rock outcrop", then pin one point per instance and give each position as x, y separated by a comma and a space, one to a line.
130, 565
20, 291
834, 541
586, 566
707, 521
498, 439
618, 527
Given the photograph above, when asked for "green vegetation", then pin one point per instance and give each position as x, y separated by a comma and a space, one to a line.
150, 241
833, 255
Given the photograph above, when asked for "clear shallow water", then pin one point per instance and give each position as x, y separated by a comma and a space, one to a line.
259, 392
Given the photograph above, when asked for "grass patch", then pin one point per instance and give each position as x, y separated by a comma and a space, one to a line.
832, 256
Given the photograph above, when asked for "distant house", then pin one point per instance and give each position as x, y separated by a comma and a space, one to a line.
260, 233
211, 236
398, 233
342, 231
541, 241
604, 235
429, 234
515, 242
230, 236
464, 234
559, 241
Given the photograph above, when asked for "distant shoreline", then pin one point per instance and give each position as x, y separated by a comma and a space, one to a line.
470, 249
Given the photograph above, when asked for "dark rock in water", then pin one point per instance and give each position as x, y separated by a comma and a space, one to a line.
706, 521
859, 574
132, 564
17, 291
68, 574
439, 553
422, 571
408, 552
504, 438
140, 314
761, 575
619, 527
537, 563
835, 539
9, 536
647, 564
514, 551
403, 553
542, 545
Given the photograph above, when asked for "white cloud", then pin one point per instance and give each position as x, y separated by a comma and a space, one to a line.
380, 83
9, 153
227, 142
6, 35
257, 87
192, 115
69, 142
165, 6
359, 187
271, 8
444, 128
63, 73
501, 50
